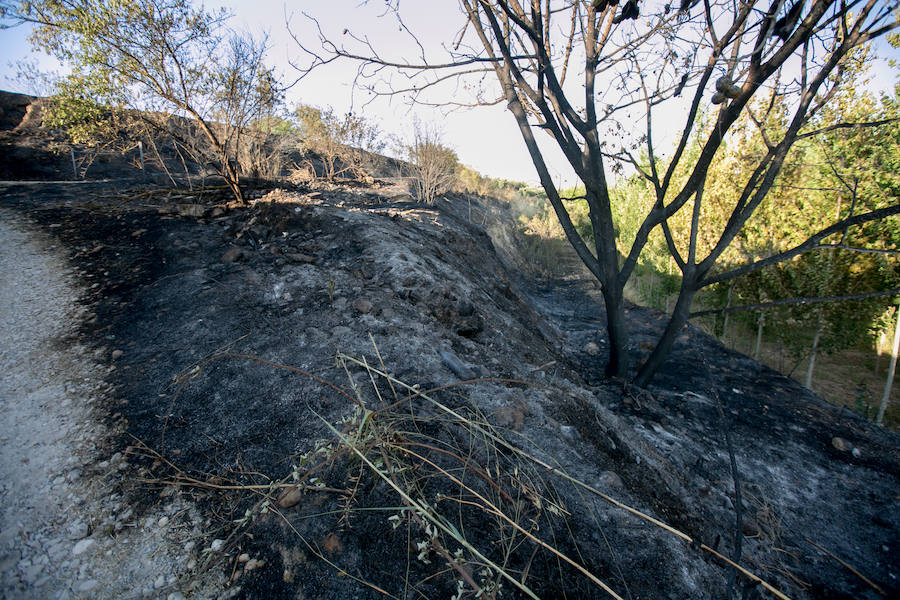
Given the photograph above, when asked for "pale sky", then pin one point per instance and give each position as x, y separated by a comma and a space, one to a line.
485, 138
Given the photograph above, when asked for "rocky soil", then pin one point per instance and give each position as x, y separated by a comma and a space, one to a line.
179, 373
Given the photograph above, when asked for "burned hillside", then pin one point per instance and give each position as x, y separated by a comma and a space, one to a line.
362, 398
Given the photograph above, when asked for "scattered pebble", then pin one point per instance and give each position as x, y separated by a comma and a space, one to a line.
232, 255
362, 305
82, 546
86, 586
840, 444
611, 479
217, 545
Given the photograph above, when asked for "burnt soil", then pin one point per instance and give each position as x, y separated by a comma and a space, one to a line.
231, 319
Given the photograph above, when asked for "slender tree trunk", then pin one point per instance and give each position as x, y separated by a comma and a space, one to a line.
725, 321
664, 345
879, 344
226, 168
892, 368
812, 353
759, 332
617, 331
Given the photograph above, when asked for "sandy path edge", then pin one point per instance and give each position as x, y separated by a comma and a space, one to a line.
64, 531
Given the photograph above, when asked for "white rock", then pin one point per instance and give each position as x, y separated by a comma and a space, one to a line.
79, 530
86, 586
217, 545
163, 521
82, 546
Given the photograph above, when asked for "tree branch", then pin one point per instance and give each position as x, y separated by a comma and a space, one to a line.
810, 243
789, 301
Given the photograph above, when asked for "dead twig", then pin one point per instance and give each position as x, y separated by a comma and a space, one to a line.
871, 583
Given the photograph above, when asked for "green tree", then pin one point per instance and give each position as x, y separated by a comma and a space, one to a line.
629, 63
164, 58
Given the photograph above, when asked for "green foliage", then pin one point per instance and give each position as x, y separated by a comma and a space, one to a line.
827, 177
84, 121
160, 57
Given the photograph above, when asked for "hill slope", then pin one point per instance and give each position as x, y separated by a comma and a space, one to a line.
237, 330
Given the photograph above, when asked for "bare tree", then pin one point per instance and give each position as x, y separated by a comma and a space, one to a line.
433, 164
632, 60
341, 143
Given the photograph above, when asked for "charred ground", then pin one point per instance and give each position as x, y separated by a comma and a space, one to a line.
228, 320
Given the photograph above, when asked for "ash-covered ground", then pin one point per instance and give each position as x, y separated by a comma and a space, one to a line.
233, 325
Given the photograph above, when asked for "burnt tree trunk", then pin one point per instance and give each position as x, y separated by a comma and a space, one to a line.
677, 321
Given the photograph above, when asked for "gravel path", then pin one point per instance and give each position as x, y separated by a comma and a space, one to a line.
64, 531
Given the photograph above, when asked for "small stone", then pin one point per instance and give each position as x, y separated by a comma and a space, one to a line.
840, 444
464, 308
82, 546
455, 365
79, 530
86, 586
332, 544
232, 255
749, 527
856, 453
290, 497
298, 258
175, 596
191, 210
362, 305
243, 558
569, 432
254, 564
160, 582
611, 479
510, 416
217, 545
163, 521
592, 348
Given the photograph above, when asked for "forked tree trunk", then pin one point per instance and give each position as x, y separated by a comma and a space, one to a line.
617, 332
676, 323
